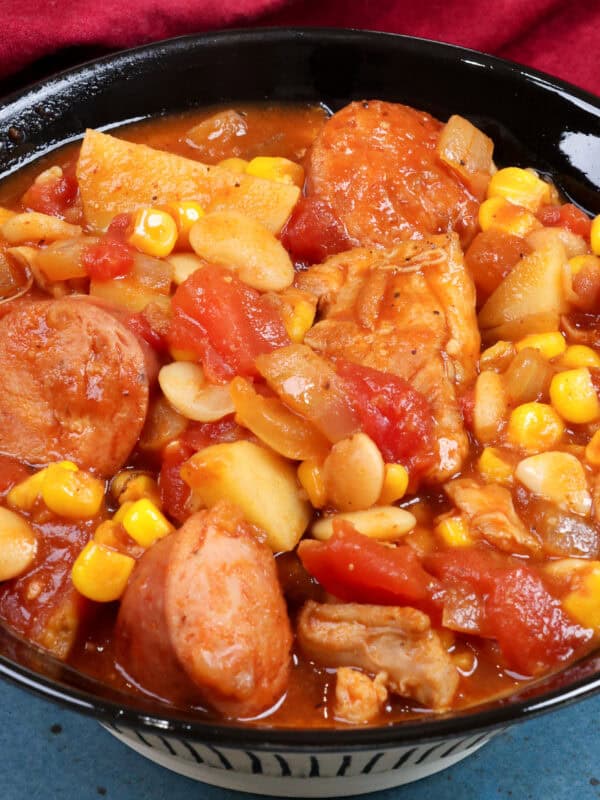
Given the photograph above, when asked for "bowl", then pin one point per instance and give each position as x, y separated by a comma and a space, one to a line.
534, 120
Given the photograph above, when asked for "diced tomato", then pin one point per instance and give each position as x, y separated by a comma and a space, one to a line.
566, 216
174, 491
119, 227
395, 415
227, 323
139, 324
52, 196
107, 259
313, 232
467, 408
203, 434
528, 622
357, 569
491, 256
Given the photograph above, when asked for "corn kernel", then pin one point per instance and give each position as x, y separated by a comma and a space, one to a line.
592, 450
129, 485
145, 523
299, 321
519, 186
234, 164
579, 355
595, 235
310, 475
395, 484
121, 511
493, 468
577, 263
497, 357
499, 213
101, 574
534, 427
549, 345
281, 170
454, 531
185, 213
154, 232
583, 604
72, 494
24, 495
573, 395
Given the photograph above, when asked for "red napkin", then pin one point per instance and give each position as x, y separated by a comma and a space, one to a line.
562, 38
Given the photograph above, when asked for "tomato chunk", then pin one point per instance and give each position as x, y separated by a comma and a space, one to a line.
107, 259
395, 415
528, 622
313, 232
357, 569
52, 196
140, 325
566, 216
491, 256
174, 491
227, 323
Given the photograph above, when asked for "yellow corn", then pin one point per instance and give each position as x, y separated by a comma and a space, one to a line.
493, 468
154, 232
281, 170
534, 427
299, 321
107, 534
101, 574
519, 186
121, 511
395, 484
185, 213
573, 395
72, 493
145, 523
130, 486
595, 235
549, 345
454, 532
583, 604
310, 475
182, 355
592, 450
24, 495
577, 263
499, 213
234, 164
578, 355
497, 357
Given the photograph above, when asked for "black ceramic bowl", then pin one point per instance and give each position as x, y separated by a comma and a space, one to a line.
533, 119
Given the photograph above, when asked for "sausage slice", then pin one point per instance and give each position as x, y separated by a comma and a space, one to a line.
203, 619
377, 167
73, 385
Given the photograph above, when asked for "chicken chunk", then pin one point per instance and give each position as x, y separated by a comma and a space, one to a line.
358, 698
492, 516
397, 641
409, 311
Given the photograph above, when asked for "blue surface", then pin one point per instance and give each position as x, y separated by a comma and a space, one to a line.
51, 754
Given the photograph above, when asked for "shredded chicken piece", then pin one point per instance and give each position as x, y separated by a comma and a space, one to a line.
358, 698
491, 515
409, 311
397, 641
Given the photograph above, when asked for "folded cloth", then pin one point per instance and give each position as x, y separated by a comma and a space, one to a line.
562, 38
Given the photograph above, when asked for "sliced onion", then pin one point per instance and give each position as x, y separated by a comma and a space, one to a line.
528, 377
467, 151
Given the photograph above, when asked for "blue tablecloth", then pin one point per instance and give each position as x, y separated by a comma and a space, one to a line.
47, 753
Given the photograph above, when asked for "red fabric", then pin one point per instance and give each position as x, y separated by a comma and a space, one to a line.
562, 38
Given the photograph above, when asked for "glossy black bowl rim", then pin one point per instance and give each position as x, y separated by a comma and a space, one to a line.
283, 739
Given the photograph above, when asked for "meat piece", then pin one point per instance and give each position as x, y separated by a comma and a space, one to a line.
409, 311
358, 698
73, 385
397, 641
491, 515
203, 619
377, 166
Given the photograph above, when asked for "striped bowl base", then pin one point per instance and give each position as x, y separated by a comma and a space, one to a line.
300, 774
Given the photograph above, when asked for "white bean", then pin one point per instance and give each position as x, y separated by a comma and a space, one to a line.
184, 386
35, 227
386, 523
557, 477
353, 473
490, 409
18, 545
245, 246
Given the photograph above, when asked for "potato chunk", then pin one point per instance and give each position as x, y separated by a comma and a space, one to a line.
257, 480
117, 176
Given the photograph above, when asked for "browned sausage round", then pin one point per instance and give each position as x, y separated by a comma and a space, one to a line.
203, 619
73, 385
376, 165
